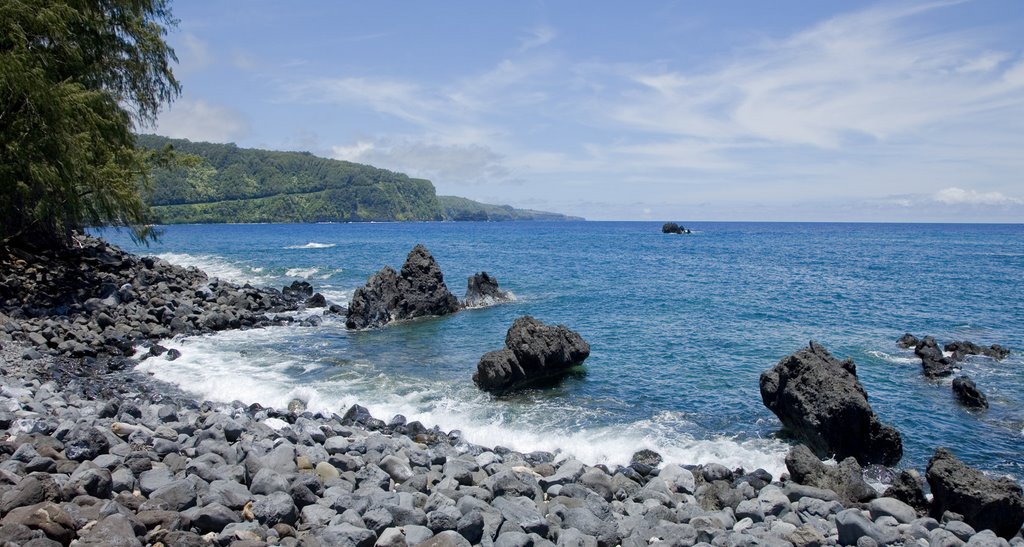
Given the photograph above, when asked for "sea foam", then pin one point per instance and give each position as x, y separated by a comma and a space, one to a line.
219, 267
312, 245
248, 366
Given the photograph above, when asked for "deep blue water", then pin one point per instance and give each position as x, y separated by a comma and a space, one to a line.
680, 329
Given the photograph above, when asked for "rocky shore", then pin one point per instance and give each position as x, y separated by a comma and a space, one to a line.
94, 453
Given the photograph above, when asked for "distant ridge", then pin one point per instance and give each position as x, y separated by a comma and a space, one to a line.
246, 185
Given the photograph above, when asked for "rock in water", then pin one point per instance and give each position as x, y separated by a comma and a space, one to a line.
960, 350
533, 352
418, 291
820, 400
671, 228
968, 393
907, 341
298, 290
482, 290
934, 363
995, 504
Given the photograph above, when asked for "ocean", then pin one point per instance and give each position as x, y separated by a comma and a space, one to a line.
680, 328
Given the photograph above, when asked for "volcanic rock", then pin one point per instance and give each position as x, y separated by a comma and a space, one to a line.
968, 394
673, 228
820, 401
960, 350
533, 352
482, 290
907, 341
934, 363
418, 291
995, 504
845, 478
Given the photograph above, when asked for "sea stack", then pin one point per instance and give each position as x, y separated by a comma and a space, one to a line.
533, 352
673, 228
819, 399
418, 291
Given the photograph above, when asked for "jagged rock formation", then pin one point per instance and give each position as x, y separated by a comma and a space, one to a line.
820, 401
418, 291
968, 394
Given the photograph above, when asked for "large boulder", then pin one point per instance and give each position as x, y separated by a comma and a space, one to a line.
533, 352
845, 478
968, 394
417, 291
985, 503
933, 362
821, 402
482, 290
673, 228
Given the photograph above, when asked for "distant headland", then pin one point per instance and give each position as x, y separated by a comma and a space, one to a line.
223, 183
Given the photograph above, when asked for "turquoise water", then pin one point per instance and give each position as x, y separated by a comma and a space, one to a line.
680, 329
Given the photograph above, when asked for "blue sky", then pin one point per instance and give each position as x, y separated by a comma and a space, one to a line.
687, 110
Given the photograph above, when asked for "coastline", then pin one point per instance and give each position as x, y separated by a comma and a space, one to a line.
355, 479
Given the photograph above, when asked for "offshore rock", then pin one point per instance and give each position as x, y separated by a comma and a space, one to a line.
995, 504
968, 394
417, 291
933, 362
533, 352
673, 228
961, 350
907, 341
820, 400
482, 290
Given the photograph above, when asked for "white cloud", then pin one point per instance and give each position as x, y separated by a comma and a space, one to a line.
354, 152
867, 74
960, 196
199, 120
194, 55
536, 37
443, 164
402, 99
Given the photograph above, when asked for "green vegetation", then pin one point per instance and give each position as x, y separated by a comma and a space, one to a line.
76, 76
231, 184
456, 208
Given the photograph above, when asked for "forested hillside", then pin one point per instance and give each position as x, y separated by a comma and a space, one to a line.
225, 183
456, 208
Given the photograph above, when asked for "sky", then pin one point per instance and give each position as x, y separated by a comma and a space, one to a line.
655, 110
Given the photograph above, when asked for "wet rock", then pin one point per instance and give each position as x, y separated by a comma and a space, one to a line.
968, 394
482, 290
820, 400
995, 504
933, 362
534, 352
962, 349
907, 341
419, 290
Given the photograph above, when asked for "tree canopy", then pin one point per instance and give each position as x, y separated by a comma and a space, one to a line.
76, 78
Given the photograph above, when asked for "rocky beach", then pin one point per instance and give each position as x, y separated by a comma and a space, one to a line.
96, 453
